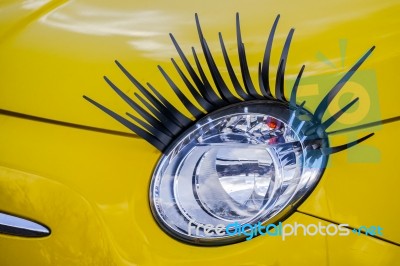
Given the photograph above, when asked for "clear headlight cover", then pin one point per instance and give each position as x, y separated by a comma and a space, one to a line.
247, 163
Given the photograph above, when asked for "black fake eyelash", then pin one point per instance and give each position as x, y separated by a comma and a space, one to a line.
162, 123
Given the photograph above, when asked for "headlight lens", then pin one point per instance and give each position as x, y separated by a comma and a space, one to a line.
247, 163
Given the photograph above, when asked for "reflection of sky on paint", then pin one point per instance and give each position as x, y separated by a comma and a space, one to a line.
33, 4
97, 21
145, 30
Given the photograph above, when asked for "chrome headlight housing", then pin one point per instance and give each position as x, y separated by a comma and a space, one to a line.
247, 163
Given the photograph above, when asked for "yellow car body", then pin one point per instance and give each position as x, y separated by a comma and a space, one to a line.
67, 165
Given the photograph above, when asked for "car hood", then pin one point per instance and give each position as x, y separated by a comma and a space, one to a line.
54, 52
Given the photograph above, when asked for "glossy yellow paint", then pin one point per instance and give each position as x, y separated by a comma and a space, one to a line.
91, 188
47, 49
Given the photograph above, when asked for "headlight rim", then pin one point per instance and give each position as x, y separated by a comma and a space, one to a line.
282, 215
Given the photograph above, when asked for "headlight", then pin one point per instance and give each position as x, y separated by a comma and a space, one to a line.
250, 162
247, 163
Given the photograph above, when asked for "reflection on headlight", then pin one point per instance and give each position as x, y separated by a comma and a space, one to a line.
243, 164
